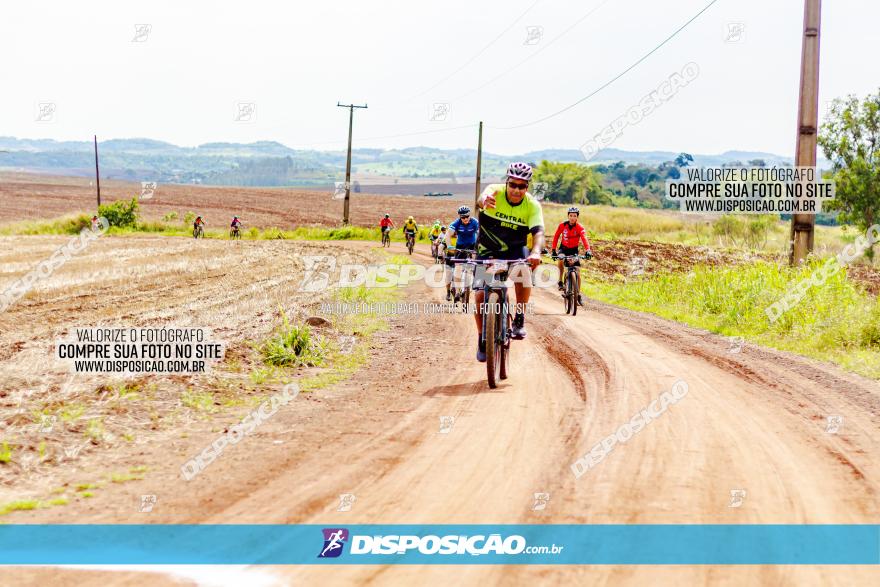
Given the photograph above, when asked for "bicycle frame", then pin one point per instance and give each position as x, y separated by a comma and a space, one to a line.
572, 272
497, 285
464, 281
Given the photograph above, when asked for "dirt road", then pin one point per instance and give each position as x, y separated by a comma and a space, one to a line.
754, 422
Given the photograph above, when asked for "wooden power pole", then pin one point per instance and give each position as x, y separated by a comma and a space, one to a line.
351, 108
803, 225
97, 172
479, 167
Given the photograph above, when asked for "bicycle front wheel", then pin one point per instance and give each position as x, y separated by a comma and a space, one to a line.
492, 320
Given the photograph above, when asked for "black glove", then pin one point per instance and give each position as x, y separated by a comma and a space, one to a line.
588, 255
553, 254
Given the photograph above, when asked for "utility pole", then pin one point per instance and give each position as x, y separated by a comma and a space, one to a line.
479, 167
803, 225
351, 108
97, 173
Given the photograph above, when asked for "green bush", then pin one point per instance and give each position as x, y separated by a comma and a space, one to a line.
170, 217
293, 346
751, 232
120, 213
189, 217
344, 233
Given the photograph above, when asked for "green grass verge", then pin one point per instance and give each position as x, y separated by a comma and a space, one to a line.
836, 321
74, 224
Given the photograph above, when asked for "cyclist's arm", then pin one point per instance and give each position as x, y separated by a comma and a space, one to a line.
537, 241
584, 239
448, 239
557, 235
490, 190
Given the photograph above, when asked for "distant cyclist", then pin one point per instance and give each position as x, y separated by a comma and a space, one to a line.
235, 227
386, 223
410, 227
199, 227
571, 233
95, 224
465, 229
434, 234
508, 214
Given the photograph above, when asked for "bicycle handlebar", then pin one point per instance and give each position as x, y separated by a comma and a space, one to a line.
490, 261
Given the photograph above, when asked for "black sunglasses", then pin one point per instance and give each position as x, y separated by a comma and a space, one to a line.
518, 186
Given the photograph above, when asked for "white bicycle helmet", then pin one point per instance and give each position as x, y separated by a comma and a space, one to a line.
520, 170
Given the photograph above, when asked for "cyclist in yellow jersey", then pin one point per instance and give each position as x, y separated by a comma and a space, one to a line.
509, 214
410, 228
410, 225
433, 234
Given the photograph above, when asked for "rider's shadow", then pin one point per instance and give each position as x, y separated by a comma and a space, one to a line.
464, 389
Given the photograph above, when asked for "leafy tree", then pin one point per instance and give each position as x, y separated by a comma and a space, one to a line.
668, 169
120, 213
683, 160
641, 176
570, 182
850, 139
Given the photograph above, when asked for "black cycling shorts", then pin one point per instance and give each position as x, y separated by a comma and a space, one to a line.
569, 251
508, 255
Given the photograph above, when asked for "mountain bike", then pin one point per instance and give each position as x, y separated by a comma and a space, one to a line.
410, 241
497, 320
463, 294
235, 233
386, 237
198, 231
435, 250
572, 282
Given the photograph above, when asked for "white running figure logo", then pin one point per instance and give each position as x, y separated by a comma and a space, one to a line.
335, 542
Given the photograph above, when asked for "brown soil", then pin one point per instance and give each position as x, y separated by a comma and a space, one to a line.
752, 420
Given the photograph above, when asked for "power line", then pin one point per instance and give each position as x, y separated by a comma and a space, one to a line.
536, 53
615, 78
480, 52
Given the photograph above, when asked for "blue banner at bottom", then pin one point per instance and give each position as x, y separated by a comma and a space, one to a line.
442, 544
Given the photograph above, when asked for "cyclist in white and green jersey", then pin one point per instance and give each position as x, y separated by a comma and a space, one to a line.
508, 215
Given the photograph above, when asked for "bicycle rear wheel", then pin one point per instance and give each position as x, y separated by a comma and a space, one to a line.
571, 293
492, 320
504, 338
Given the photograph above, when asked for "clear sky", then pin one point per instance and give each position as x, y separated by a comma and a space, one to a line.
181, 80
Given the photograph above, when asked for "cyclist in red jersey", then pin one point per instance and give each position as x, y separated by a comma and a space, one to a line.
571, 233
385, 224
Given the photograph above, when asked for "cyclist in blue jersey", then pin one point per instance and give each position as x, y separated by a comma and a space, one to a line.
465, 229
